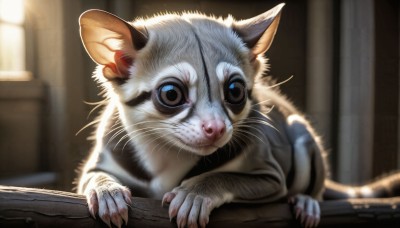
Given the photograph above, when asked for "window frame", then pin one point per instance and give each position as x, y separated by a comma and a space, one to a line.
28, 32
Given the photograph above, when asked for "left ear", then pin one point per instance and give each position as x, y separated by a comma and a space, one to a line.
111, 42
258, 32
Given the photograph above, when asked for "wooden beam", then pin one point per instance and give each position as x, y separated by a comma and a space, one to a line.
29, 207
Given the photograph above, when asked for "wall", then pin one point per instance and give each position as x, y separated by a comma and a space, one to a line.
58, 64
21, 108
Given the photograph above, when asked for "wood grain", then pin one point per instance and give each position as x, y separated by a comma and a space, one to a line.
29, 207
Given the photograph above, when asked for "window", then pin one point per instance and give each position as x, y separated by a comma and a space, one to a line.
12, 40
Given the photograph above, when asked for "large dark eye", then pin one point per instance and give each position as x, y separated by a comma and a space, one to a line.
235, 91
171, 94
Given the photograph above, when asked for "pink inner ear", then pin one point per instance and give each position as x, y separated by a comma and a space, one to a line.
124, 59
122, 62
112, 67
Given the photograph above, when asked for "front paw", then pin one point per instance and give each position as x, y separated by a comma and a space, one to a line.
111, 202
191, 209
307, 210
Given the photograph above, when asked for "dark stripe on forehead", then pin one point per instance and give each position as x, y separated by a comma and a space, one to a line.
207, 77
139, 99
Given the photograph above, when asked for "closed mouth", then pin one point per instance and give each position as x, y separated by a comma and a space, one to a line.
198, 146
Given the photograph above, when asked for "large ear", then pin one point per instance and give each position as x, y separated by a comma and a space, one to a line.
111, 42
258, 32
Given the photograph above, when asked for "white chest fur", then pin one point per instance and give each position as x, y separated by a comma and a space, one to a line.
167, 165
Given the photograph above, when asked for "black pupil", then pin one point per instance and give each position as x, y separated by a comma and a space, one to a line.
235, 90
171, 93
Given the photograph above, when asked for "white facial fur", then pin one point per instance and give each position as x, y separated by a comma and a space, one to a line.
145, 124
224, 70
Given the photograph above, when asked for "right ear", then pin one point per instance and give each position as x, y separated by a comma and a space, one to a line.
258, 32
111, 42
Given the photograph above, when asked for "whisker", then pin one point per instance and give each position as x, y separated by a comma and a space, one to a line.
113, 129
128, 135
260, 132
282, 82
88, 125
159, 144
263, 114
239, 139
148, 133
97, 120
99, 104
169, 142
132, 126
255, 120
261, 102
249, 133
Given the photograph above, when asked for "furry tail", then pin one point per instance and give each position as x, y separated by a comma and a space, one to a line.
388, 186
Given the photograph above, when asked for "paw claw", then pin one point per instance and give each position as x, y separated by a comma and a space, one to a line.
298, 212
172, 214
303, 217
204, 222
116, 220
127, 197
106, 220
125, 217
92, 213
120, 222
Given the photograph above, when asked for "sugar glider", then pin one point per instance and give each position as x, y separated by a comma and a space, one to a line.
189, 119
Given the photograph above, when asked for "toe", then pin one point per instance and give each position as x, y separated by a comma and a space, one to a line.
167, 198
120, 205
127, 196
299, 207
205, 211
184, 210
195, 212
104, 213
93, 203
176, 204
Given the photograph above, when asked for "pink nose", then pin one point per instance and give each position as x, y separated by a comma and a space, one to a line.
213, 129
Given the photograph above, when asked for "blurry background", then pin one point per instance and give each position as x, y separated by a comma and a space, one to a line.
344, 56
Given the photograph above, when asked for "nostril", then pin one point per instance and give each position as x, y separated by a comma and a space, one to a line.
208, 129
214, 129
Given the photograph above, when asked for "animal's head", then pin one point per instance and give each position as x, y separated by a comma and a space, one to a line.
179, 80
